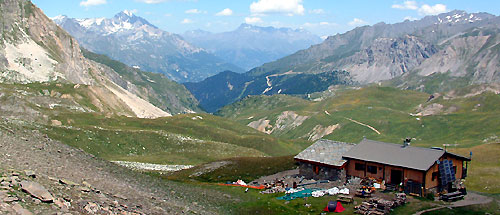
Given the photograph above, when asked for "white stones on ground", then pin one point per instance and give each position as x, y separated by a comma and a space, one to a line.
92, 208
151, 166
63, 204
36, 190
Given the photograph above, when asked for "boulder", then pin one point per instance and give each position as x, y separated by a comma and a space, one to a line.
67, 182
36, 190
30, 173
20, 210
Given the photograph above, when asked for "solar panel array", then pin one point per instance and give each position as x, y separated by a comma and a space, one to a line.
446, 172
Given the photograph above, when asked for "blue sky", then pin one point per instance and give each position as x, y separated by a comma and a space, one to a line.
322, 17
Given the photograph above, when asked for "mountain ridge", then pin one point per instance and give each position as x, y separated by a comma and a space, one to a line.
249, 46
135, 41
403, 54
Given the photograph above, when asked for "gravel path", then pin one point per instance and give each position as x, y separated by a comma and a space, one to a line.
470, 199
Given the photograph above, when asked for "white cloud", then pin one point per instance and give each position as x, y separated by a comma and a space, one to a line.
432, 10
186, 21
89, 3
424, 9
289, 7
357, 22
407, 5
194, 11
253, 20
317, 11
225, 12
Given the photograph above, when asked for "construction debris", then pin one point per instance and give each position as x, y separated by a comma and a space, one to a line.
380, 206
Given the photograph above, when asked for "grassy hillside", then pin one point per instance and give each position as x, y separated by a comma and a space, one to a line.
388, 110
182, 139
232, 169
68, 113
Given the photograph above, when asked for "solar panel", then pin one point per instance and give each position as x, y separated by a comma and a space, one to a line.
446, 171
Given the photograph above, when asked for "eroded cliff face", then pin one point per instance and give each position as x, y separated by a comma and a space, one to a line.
35, 49
386, 58
33, 44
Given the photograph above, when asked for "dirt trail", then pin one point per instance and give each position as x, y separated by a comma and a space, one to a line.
268, 80
368, 126
470, 199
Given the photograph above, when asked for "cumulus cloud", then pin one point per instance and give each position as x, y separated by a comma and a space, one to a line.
289, 7
253, 20
424, 9
186, 21
225, 12
357, 22
89, 3
407, 5
432, 10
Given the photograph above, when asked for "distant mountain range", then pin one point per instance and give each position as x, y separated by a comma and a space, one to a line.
250, 46
433, 54
136, 42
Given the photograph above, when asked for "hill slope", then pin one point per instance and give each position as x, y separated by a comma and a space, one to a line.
34, 49
380, 113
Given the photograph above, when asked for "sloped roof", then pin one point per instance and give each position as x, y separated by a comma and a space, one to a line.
326, 152
394, 154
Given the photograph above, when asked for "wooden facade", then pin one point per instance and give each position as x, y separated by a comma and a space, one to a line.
395, 175
415, 168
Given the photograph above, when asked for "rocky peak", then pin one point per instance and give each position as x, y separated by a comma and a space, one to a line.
128, 17
460, 17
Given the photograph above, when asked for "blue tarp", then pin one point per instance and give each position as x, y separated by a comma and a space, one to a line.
300, 194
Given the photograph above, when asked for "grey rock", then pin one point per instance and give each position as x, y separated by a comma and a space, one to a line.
11, 199
67, 182
36, 190
30, 173
20, 210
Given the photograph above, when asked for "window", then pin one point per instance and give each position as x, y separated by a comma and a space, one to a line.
359, 166
371, 169
455, 169
316, 169
434, 176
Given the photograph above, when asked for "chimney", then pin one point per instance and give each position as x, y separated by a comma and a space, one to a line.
406, 142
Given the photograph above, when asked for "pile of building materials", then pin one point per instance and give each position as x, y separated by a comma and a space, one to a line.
380, 206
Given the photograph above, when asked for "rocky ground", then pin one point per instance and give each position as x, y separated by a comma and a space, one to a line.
75, 182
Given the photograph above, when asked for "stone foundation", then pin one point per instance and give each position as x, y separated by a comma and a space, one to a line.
324, 173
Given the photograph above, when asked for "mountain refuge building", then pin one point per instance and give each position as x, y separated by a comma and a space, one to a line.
418, 170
